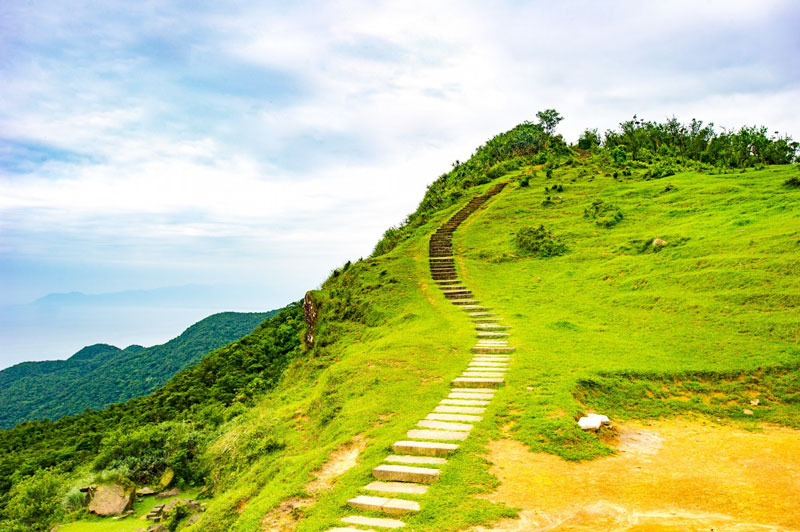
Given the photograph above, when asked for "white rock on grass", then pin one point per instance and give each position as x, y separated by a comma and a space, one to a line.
593, 421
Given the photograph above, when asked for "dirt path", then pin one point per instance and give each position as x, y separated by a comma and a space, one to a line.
668, 476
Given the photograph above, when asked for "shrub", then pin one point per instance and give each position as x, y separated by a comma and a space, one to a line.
619, 155
538, 242
604, 214
660, 170
524, 180
35, 502
792, 182
589, 139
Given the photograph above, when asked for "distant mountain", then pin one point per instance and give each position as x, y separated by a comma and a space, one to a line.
101, 374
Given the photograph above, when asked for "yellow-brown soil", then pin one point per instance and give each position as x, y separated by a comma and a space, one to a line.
668, 476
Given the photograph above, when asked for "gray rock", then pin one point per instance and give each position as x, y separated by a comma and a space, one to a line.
111, 500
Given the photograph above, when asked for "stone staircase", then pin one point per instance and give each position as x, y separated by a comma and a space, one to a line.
418, 459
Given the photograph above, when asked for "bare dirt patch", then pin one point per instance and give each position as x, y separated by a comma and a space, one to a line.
284, 517
668, 476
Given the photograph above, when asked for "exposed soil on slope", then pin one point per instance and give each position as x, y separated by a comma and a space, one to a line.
284, 517
668, 476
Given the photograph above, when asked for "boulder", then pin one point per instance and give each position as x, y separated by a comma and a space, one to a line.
167, 494
145, 491
659, 243
111, 499
166, 479
593, 421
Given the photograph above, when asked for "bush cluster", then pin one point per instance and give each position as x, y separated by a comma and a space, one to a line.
539, 242
604, 214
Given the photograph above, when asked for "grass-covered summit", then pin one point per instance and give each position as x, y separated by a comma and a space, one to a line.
645, 283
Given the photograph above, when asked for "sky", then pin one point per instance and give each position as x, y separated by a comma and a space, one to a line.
259, 145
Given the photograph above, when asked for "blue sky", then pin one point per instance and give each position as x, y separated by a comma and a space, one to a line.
151, 144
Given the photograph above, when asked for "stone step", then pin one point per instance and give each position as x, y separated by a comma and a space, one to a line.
464, 301
491, 357
442, 435
450, 257
448, 282
413, 459
485, 319
475, 307
489, 349
447, 409
444, 425
453, 288
380, 522
488, 393
453, 417
468, 374
460, 297
482, 334
465, 395
464, 402
489, 364
424, 448
491, 326
397, 487
479, 382
404, 473
383, 504
483, 314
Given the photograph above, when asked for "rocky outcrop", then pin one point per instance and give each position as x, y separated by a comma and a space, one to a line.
310, 313
108, 500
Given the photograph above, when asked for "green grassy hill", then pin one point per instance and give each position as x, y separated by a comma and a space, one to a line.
100, 375
604, 316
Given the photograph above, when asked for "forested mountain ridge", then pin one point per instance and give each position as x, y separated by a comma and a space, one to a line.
567, 253
101, 374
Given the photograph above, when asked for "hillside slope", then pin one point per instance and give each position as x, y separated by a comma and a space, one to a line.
100, 375
282, 432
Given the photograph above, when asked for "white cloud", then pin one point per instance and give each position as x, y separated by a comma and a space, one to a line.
385, 97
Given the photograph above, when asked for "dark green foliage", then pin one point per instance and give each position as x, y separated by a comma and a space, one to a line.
100, 375
792, 182
145, 453
589, 140
660, 170
178, 513
604, 214
549, 119
524, 180
34, 503
539, 242
207, 394
747, 147
555, 188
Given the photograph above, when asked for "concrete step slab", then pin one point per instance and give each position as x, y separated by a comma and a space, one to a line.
397, 487
479, 382
424, 448
454, 417
379, 522
488, 393
469, 374
444, 425
404, 473
491, 327
474, 307
464, 402
490, 349
386, 505
449, 409
488, 334
440, 435
413, 459
465, 395
489, 364
464, 301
